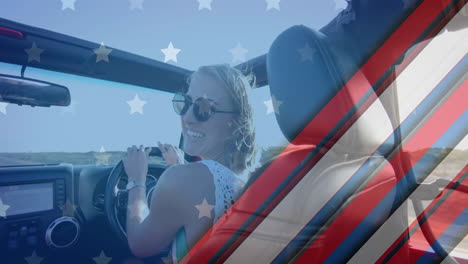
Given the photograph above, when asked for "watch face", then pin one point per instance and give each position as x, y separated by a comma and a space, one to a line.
129, 185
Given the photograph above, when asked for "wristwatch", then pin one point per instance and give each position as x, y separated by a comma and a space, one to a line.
133, 184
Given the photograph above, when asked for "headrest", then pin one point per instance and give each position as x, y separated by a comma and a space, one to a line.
305, 72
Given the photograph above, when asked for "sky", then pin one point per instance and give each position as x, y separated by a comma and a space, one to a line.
203, 31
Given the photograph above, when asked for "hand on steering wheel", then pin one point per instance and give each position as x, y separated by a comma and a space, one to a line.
136, 163
135, 166
171, 154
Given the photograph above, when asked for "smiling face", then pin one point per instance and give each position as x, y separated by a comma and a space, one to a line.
208, 139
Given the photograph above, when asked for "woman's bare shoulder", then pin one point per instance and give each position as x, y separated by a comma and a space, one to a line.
186, 177
186, 170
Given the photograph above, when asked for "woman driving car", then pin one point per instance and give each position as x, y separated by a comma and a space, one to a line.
217, 127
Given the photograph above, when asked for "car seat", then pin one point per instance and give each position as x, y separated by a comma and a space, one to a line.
318, 114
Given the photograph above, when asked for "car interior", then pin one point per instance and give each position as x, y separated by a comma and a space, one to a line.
78, 210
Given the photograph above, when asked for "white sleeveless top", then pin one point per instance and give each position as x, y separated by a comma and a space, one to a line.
228, 187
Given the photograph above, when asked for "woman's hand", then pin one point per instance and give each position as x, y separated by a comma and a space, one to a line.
171, 154
136, 163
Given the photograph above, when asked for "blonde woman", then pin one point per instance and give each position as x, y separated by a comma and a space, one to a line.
217, 126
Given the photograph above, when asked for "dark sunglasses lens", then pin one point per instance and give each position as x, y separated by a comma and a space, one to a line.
203, 109
180, 104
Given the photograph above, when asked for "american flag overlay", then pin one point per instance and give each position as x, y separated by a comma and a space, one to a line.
359, 108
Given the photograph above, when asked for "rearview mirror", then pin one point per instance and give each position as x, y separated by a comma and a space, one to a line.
25, 91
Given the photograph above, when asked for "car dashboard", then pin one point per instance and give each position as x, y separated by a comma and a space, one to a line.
34, 200
57, 211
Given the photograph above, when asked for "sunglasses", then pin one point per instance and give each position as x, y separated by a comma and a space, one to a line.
203, 108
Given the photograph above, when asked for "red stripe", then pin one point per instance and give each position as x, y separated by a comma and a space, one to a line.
275, 174
439, 221
464, 86
379, 187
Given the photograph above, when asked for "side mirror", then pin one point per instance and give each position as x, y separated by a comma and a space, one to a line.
25, 91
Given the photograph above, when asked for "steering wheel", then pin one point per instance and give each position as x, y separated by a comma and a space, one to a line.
116, 197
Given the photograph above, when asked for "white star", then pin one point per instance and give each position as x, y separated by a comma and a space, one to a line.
341, 4
133, 211
269, 105
68, 209
3, 208
136, 105
136, 4
102, 158
170, 53
138, 210
34, 259
238, 53
307, 53
71, 108
276, 104
3, 108
204, 4
102, 258
34, 53
204, 209
273, 4
68, 4
102, 53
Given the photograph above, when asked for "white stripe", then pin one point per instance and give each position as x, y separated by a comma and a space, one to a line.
391, 229
319, 185
459, 252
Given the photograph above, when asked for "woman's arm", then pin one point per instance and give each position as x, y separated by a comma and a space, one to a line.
151, 230
137, 212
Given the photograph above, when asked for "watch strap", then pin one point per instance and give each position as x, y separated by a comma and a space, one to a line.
133, 184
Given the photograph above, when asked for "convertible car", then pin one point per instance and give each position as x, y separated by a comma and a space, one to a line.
373, 107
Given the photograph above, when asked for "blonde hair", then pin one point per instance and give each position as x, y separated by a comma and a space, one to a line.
240, 148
